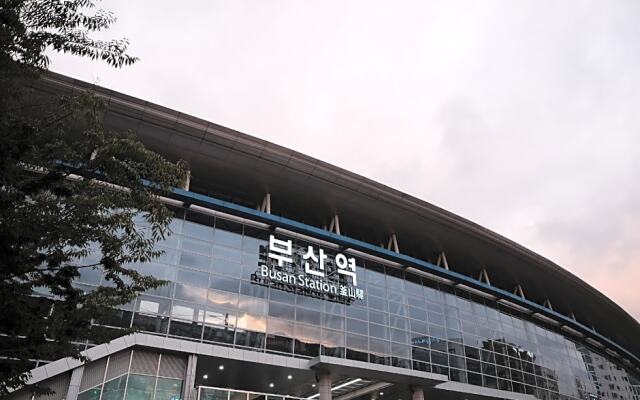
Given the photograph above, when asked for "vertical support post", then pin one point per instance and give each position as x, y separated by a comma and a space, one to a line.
265, 206
187, 181
442, 261
484, 277
334, 226
518, 291
74, 383
393, 243
188, 390
324, 385
417, 393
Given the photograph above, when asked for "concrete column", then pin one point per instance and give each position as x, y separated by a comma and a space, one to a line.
325, 386
74, 383
188, 389
417, 393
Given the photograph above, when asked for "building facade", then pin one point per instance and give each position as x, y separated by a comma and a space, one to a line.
292, 278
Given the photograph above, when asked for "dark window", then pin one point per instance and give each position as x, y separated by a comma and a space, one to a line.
218, 334
185, 329
149, 323
250, 339
279, 343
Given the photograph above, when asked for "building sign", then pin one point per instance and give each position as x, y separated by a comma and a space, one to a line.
308, 270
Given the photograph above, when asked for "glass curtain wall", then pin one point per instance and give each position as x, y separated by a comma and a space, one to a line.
403, 320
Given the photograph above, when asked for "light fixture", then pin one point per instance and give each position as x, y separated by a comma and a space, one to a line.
313, 385
335, 387
381, 393
271, 385
205, 376
546, 319
514, 306
475, 291
221, 367
430, 275
289, 376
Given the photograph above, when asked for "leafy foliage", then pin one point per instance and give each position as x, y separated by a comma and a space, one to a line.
68, 189
31, 26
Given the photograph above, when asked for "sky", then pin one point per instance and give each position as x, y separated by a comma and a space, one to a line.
522, 116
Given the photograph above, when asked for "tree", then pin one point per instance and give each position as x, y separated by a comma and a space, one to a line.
68, 189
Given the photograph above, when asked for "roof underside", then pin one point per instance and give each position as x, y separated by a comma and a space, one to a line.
234, 166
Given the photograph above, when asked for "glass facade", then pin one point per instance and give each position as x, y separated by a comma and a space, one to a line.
403, 320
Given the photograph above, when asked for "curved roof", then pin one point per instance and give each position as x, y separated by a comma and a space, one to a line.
240, 168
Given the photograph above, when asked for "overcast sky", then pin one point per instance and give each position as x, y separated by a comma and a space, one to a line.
522, 116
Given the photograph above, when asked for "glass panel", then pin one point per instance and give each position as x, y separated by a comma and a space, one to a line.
225, 253
307, 340
308, 316
214, 394
91, 394
152, 305
228, 233
251, 321
114, 389
279, 343
226, 299
140, 387
193, 278
168, 389
186, 329
187, 311
226, 267
250, 339
281, 311
196, 230
220, 316
226, 284
333, 343
222, 334
196, 246
151, 323
191, 293
233, 395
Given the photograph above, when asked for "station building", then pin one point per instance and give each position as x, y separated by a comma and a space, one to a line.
293, 278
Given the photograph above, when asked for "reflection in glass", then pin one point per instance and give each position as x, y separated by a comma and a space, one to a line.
114, 389
404, 321
168, 389
140, 387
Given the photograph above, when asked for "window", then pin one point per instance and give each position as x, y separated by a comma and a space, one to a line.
91, 394
114, 389
167, 389
140, 387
